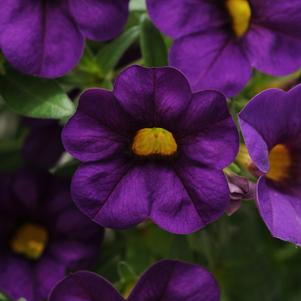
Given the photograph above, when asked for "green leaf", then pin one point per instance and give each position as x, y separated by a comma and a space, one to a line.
3, 297
35, 97
111, 53
154, 50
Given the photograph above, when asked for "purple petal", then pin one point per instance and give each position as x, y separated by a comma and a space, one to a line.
113, 194
43, 146
170, 203
154, 96
272, 51
33, 41
99, 128
170, 280
84, 286
74, 254
16, 278
206, 128
178, 18
280, 211
47, 273
261, 134
275, 16
207, 190
211, 60
73, 224
117, 195
77, 239
58, 198
29, 186
100, 20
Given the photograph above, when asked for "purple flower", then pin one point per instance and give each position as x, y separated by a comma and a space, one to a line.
151, 149
218, 42
271, 126
42, 235
46, 37
166, 280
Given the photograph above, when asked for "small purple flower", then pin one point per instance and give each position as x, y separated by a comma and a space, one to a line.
42, 235
218, 42
240, 189
166, 280
271, 126
151, 149
46, 38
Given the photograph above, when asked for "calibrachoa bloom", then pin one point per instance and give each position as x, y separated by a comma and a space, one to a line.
271, 126
166, 280
42, 235
46, 37
151, 149
218, 42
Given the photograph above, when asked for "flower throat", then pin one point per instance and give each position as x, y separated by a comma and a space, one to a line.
280, 163
30, 240
240, 13
154, 142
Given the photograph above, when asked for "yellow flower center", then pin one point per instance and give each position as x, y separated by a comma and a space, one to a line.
280, 163
240, 13
154, 141
30, 240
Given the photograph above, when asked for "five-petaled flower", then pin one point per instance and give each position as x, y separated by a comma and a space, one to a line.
165, 280
151, 149
271, 126
46, 37
42, 234
218, 42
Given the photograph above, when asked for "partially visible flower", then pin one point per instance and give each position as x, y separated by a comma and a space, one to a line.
151, 149
43, 235
166, 280
46, 38
240, 189
218, 42
271, 126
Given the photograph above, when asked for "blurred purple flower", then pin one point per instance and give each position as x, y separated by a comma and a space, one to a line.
271, 126
46, 38
151, 149
42, 235
42, 146
218, 42
164, 281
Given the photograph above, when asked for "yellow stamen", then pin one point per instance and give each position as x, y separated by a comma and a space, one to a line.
280, 163
154, 141
30, 240
240, 13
